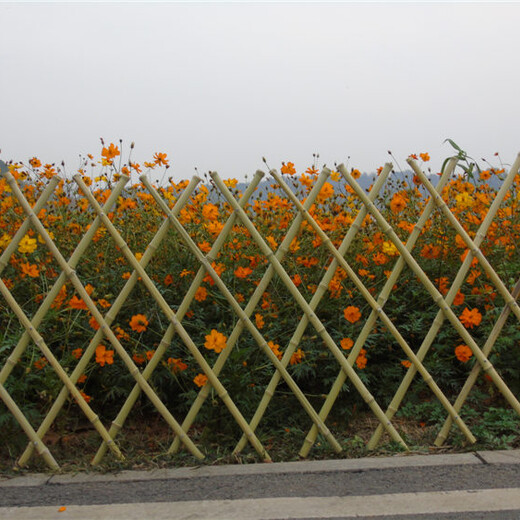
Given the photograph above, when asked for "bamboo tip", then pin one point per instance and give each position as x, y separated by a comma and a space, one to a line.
259, 174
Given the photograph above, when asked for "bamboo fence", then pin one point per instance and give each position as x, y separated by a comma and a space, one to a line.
245, 322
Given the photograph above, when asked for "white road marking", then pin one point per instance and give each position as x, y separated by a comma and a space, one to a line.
283, 508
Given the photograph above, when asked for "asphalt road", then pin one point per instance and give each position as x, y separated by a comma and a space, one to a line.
484, 485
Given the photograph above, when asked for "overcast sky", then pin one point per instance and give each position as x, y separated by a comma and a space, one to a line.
218, 86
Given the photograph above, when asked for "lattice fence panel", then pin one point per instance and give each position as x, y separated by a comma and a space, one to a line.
175, 231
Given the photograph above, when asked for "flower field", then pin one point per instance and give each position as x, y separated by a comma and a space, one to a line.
279, 310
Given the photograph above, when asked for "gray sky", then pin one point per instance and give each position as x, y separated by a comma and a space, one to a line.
218, 86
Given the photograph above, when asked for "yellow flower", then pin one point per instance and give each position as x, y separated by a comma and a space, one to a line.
27, 244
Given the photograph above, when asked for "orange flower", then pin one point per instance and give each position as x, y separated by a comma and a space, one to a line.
93, 323
205, 247
82, 378
139, 358
288, 168
77, 352
398, 203
176, 365
352, 314
104, 356
149, 354
361, 360
30, 270
346, 343
160, 159
110, 152
275, 348
470, 318
406, 363
200, 380
85, 396
355, 173
201, 294
297, 357
243, 272
77, 303
40, 363
459, 298
259, 319
463, 353
424, 156
168, 279
215, 341
139, 323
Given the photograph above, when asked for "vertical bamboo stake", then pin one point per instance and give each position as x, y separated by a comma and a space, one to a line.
439, 318
435, 294
381, 300
239, 311
472, 378
111, 314
320, 329
250, 307
117, 424
380, 312
316, 298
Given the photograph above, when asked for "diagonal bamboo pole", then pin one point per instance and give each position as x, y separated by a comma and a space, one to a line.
379, 310
434, 292
111, 314
22, 230
313, 304
472, 378
439, 318
250, 307
166, 340
38, 317
257, 336
381, 300
172, 317
35, 336
40, 447
476, 252
314, 320
71, 274
40, 343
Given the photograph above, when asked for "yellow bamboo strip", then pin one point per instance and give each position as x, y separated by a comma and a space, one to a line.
377, 309
111, 314
314, 320
381, 300
439, 318
170, 314
435, 294
181, 311
98, 317
257, 336
475, 372
315, 300
248, 310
